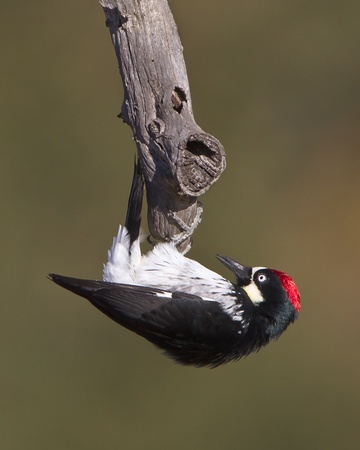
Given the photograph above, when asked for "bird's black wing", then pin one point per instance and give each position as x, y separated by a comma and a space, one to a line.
190, 329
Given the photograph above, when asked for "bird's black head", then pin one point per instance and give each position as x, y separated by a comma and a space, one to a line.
276, 300
273, 295
271, 286
264, 285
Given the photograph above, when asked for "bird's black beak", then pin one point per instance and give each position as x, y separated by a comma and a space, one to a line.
243, 273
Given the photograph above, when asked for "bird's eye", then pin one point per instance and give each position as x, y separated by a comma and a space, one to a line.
262, 278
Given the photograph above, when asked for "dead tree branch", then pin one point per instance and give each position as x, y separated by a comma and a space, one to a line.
179, 160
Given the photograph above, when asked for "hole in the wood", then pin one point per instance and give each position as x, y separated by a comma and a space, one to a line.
178, 96
198, 148
114, 19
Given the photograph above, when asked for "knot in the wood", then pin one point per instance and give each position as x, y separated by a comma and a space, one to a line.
201, 162
156, 128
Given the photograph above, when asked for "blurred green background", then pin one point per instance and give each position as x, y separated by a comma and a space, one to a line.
278, 83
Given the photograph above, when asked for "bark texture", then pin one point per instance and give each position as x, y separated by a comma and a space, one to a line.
179, 160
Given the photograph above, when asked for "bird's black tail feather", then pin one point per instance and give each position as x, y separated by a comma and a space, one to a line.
117, 301
133, 215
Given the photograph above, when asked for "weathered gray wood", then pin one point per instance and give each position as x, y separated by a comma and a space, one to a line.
179, 160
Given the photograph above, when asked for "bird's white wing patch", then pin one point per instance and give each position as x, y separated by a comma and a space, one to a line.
164, 294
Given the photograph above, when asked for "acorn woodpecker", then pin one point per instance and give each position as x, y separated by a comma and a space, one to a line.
194, 314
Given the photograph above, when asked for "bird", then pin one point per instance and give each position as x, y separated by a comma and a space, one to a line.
196, 316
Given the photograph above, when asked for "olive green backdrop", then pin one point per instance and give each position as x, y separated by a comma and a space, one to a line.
278, 83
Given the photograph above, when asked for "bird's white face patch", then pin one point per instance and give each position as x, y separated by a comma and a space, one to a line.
252, 290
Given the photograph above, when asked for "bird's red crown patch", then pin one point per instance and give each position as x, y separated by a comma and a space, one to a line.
290, 288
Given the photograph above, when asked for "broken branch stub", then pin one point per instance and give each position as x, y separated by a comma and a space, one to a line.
179, 160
